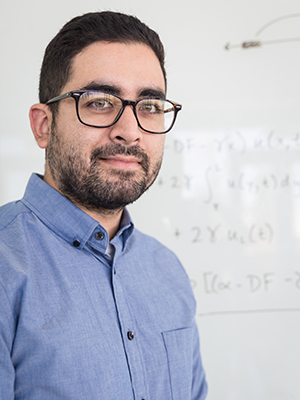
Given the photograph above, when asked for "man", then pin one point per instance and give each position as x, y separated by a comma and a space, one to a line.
91, 308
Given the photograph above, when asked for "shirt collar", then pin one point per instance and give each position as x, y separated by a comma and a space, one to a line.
65, 218
125, 229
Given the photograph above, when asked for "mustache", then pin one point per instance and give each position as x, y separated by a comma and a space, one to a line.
114, 149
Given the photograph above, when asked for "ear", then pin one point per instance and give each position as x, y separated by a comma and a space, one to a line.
40, 120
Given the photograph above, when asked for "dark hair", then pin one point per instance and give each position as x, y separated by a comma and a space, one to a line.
82, 31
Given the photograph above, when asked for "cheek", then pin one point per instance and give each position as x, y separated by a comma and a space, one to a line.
76, 139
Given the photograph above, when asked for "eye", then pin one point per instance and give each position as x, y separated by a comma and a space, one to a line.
96, 102
151, 106
99, 103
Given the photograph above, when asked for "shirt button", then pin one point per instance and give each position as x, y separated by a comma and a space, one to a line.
76, 243
99, 235
130, 335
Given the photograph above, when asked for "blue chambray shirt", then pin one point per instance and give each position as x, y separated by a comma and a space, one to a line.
76, 325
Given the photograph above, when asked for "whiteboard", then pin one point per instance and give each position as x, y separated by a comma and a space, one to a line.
227, 200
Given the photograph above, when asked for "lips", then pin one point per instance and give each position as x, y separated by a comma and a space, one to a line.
123, 162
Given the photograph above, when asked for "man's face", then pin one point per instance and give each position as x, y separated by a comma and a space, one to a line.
106, 168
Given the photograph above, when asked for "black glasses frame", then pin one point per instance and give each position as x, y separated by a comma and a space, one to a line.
76, 94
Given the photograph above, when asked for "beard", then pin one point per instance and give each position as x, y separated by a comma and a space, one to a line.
89, 185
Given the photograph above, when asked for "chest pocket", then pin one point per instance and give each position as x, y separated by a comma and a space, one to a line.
179, 347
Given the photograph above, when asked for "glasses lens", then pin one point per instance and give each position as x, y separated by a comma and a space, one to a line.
102, 109
155, 115
98, 109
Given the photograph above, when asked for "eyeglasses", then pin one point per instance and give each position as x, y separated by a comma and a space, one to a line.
101, 110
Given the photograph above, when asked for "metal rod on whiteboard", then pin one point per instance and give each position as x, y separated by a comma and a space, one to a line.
258, 43
274, 21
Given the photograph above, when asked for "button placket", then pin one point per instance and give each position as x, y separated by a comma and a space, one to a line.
127, 325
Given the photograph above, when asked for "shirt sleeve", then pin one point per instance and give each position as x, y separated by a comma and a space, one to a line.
7, 371
199, 385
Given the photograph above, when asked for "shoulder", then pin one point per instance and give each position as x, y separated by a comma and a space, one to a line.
10, 212
13, 255
15, 231
15, 220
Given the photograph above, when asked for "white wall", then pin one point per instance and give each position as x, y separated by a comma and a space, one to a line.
227, 200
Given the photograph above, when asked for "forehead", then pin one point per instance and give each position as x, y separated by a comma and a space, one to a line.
131, 67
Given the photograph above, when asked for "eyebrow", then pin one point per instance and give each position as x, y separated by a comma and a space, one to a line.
149, 92
145, 92
102, 88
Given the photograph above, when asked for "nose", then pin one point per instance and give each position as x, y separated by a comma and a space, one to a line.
126, 129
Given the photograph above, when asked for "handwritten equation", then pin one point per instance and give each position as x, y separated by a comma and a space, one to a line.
231, 211
216, 284
236, 141
243, 182
213, 165
253, 183
256, 234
